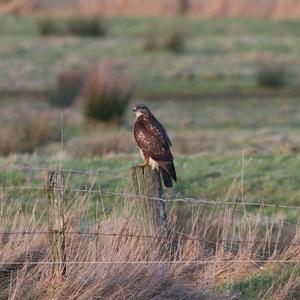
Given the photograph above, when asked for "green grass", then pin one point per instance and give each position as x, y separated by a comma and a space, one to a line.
221, 53
209, 139
257, 286
270, 179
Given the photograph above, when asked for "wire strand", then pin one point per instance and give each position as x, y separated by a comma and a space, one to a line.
150, 262
161, 237
184, 200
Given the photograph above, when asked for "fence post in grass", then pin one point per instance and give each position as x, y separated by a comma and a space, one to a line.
148, 192
55, 200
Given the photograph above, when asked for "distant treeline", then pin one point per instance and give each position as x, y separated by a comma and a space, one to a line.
247, 8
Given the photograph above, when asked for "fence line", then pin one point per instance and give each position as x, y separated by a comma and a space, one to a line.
184, 200
98, 171
151, 262
71, 171
59, 262
160, 237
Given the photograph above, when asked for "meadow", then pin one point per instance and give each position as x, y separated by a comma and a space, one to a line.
220, 58
235, 142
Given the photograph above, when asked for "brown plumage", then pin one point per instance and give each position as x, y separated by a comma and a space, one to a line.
154, 143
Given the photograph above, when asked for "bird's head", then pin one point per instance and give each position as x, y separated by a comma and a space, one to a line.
141, 109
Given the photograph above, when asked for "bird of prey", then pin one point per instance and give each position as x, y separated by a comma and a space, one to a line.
154, 144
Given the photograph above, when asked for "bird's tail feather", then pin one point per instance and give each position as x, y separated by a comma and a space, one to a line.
168, 172
167, 179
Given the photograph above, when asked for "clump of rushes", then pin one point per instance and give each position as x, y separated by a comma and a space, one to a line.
68, 86
175, 42
107, 92
49, 26
86, 26
79, 26
271, 73
151, 42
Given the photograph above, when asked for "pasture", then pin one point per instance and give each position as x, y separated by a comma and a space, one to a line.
235, 142
220, 58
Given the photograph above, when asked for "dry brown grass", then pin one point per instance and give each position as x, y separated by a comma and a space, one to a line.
173, 41
253, 8
29, 129
144, 280
106, 92
107, 142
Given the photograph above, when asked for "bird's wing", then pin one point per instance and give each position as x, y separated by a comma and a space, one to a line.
151, 140
162, 130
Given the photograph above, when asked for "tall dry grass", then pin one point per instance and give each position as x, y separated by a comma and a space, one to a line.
174, 41
107, 91
199, 259
29, 129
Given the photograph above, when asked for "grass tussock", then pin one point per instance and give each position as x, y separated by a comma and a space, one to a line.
48, 26
107, 92
271, 73
84, 26
126, 267
68, 86
173, 41
29, 130
151, 42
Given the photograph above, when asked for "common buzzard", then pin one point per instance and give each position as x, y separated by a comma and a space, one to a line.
154, 144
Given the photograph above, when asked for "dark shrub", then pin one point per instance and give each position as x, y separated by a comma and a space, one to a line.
81, 26
175, 41
86, 26
106, 92
68, 87
271, 74
49, 26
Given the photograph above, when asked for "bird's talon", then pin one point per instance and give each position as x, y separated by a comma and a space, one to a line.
143, 165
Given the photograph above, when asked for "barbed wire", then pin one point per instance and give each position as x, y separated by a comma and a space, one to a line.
117, 174
97, 173
187, 200
149, 262
68, 170
161, 237
184, 200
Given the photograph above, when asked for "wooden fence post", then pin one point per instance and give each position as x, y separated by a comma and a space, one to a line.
55, 199
147, 188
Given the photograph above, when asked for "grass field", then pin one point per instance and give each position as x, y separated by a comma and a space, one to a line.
221, 55
228, 148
